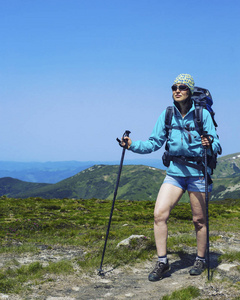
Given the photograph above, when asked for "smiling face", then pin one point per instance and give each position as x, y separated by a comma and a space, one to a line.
180, 92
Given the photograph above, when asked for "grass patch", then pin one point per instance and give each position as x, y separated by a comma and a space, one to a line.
180, 240
138, 250
230, 257
14, 279
18, 249
27, 223
188, 293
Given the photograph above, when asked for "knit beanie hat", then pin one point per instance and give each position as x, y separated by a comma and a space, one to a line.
185, 79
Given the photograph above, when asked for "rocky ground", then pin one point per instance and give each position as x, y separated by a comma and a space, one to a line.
131, 282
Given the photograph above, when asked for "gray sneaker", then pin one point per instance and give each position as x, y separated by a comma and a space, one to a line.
198, 267
158, 271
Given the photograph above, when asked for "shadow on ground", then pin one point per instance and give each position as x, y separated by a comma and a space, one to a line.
187, 260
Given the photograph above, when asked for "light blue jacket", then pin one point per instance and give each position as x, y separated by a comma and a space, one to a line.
181, 141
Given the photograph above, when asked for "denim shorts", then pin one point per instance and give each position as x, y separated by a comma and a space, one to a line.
191, 184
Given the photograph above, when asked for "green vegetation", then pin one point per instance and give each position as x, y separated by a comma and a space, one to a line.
227, 166
12, 279
184, 294
14, 187
80, 222
28, 224
230, 257
137, 183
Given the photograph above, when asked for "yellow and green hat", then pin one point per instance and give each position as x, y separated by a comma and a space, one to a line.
185, 79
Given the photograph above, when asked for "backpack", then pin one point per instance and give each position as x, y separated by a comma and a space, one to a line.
202, 100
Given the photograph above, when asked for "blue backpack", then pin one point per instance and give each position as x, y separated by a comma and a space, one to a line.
202, 100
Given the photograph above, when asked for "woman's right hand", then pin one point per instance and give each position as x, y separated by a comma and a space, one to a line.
129, 142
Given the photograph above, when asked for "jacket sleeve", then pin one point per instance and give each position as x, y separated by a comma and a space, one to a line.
156, 139
209, 127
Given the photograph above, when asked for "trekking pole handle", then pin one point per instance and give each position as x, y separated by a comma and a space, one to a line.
126, 134
209, 137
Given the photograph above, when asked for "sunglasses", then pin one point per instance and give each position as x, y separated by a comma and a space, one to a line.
180, 87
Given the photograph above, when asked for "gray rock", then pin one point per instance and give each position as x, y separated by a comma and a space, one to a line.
127, 241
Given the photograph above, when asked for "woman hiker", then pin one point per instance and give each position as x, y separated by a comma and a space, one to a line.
179, 177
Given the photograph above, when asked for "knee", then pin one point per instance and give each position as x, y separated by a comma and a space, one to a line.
199, 222
160, 216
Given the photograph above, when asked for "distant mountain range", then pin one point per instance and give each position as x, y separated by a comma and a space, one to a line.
228, 165
226, 177
44, 172
53, 172
138, 182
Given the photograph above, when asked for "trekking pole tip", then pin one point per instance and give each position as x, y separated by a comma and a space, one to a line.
100, 272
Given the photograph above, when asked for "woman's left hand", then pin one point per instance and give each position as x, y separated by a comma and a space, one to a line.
205, 141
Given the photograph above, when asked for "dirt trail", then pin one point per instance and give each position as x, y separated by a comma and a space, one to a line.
131, 282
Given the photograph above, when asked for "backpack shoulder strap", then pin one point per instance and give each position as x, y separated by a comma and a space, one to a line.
168, 124
168, 119
198, 119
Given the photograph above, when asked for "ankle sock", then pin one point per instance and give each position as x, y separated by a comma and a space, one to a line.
201, 258
162, 259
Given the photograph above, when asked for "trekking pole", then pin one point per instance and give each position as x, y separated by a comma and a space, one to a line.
126, 134
206, 203
207, 180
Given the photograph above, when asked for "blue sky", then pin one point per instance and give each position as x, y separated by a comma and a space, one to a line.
75, 74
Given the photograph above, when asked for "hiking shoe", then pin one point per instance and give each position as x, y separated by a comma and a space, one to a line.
198, 267
158, 271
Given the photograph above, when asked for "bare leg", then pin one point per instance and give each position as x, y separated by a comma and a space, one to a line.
168, 197
197, 200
